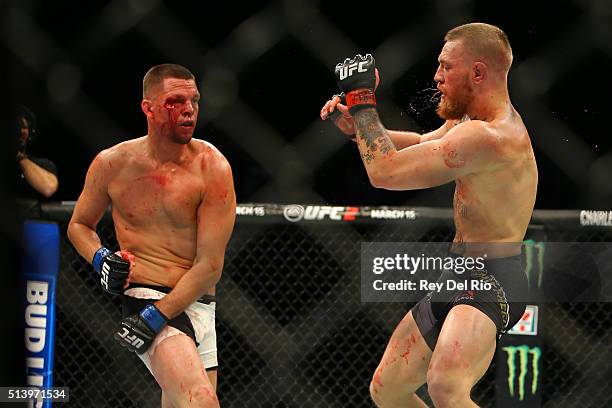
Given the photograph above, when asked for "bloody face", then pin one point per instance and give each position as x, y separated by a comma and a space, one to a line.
175, 109
453, 78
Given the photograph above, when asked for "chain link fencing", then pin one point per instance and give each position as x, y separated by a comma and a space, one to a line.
79, 69
292, 331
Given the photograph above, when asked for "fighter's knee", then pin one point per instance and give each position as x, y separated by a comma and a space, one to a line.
203, 397
445, 390
375, 394
377, 389
385, 395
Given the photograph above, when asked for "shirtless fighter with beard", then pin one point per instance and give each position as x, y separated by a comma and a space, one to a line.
448, 339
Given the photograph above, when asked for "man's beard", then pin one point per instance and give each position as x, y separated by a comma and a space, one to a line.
455, 108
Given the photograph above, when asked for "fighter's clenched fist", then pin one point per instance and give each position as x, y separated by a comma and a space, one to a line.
357, 79
113, 269
336, 110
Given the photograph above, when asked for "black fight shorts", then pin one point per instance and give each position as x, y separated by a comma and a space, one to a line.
507, 281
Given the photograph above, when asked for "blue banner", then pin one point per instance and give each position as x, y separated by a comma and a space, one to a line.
40, 269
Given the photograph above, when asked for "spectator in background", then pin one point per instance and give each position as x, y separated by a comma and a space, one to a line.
37, 176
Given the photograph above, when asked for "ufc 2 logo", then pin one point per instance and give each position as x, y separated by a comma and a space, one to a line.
104, 277
350, 213
347, 70
133, 339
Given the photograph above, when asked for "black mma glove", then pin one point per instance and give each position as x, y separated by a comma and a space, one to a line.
113, 270
357, 79
138, 331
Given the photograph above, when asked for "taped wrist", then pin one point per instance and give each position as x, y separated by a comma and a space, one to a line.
98, 258
360, 99
153, 318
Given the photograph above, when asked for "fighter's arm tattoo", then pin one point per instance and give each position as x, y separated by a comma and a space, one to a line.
375, 138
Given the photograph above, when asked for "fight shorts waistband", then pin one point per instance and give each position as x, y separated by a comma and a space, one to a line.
205, 299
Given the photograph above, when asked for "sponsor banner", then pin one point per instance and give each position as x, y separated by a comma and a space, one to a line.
534, 252
519, 373
251, 210
532, 271
297, 212
392, 214
528, 325
311, 212
40, 270
592, 218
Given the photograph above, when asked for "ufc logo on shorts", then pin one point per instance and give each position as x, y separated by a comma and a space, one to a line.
348, 70
133, 339
104, 277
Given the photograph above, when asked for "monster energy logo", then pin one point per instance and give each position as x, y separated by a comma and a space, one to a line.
532, 246
523, 353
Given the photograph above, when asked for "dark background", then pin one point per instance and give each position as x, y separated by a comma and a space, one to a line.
265, 69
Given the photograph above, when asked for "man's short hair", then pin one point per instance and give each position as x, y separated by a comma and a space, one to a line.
23, 112
156, 75
484, 41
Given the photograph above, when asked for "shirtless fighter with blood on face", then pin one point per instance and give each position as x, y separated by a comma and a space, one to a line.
173, 207
448, 339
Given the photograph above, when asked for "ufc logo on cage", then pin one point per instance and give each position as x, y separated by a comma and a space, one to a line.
347, 70
133, 339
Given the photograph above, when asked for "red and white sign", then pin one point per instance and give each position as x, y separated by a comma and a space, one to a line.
528, 325
296, 212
